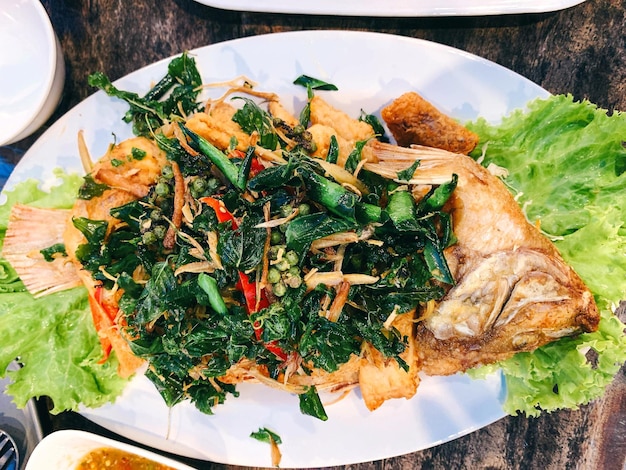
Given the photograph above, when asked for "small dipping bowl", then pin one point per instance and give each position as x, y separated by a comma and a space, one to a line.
65, 449
32, 69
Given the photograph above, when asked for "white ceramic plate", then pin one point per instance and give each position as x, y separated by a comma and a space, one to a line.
32, 71
370, 70
63, 450
394, 8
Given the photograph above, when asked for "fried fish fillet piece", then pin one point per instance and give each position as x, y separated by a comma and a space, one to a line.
413, 120
382, 378
513, 291
217, 126
348, 128
327, 121
133, 165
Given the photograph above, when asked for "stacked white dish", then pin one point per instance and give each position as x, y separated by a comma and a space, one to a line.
32, 70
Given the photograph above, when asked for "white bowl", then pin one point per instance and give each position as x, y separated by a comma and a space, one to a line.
63, 450
32, 70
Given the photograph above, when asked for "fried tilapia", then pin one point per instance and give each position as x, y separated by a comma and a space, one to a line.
512, 291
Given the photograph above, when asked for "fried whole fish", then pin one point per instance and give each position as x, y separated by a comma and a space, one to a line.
513, 292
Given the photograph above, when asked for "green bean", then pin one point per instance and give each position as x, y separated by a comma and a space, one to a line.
159, 231
209, 286
276, 237
217, 157
304, 209
148, 238
167, 172
156, 214
282, 265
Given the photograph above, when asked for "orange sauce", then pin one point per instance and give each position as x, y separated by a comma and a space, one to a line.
115, 459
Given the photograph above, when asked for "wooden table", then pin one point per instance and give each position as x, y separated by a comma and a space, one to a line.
581, 50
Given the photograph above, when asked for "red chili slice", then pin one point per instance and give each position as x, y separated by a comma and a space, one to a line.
247, 287
101, 321
255, 166
223, 214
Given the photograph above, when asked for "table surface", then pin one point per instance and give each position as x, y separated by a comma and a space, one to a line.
580, 50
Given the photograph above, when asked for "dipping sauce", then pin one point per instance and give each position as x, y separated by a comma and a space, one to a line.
111, 458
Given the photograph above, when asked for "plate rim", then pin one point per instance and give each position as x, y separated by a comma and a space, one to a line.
392, 8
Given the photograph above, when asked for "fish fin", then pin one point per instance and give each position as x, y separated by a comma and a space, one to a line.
29, 231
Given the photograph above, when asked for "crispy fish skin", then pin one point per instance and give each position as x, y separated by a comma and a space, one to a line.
413, 120
513, 291
504, 303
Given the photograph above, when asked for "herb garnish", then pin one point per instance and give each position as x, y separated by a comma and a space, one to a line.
177, 90
194, 327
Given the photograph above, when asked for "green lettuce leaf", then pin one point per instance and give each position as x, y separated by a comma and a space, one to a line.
60, 196
597, 251
566, 162
9, 280
52, 338
59, 350
563, 156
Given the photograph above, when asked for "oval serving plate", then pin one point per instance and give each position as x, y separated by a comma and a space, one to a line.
370, 70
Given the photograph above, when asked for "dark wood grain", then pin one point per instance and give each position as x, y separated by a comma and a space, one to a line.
581, 50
